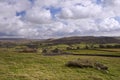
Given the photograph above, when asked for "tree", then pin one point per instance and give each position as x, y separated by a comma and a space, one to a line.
78, 48
86, 47
44, 51
101, 46
56, 50
33, 46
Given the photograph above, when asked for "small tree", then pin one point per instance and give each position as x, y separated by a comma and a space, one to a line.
116, 46
68, 48
86, 47
92, 45
101, 46
78, 48
44, 51
56, 50
109, 46
33, 46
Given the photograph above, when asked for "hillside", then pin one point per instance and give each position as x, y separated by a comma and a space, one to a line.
67, 40
84, 39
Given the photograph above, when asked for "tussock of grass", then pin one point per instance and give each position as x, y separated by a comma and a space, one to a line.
80, 63
86, 64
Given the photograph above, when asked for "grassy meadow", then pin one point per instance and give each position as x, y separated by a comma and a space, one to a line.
35, 66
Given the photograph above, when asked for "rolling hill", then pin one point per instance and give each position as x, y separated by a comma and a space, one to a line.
67, 40
84, 39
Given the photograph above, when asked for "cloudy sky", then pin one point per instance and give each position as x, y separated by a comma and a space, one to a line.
59, 18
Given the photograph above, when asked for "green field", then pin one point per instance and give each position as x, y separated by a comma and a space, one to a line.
115, 52
34, 66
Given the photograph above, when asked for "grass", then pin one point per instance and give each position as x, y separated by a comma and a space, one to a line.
21, 66
96, 51
112, 50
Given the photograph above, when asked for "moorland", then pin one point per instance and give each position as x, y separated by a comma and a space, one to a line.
68, 58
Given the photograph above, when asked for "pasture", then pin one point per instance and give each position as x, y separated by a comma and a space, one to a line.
35, 66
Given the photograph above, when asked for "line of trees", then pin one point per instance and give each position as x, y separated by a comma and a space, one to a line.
93, 47
109, 46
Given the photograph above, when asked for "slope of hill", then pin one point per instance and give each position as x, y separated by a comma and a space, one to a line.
84, 39
66, 40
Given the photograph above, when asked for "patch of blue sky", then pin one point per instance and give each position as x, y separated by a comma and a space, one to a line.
21, 13
117, 18
32, 1
98, 1
54, 11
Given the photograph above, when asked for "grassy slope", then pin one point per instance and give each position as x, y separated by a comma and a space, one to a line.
14, 66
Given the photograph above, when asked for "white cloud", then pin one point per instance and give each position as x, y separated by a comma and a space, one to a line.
112, 5
21, 5
75, 17
6, 11
78, 11
38, 15
109, 24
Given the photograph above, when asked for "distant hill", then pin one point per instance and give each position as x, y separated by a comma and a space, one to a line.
84, 39
66, 40
12, 39
19, 40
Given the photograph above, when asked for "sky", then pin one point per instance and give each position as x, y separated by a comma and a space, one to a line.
41, 19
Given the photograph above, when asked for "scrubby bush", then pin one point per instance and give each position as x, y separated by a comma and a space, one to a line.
101, 46
28, 50
91, 46
33, 46
69, 48
109, 46
7, 45
44, 51
116, 46
86, 64
56, 50
100, 66
79, 63
78, 48
86, 47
